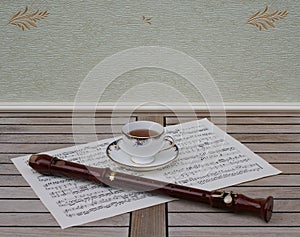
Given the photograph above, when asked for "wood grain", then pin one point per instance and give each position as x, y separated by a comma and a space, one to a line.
174, 206
69, 232
273, 157
280, 157
277, 145
266, 137
65, 121
166, 113
274, 147
39, 147
149, 221
50, 138
238, 120
61, 129
84, 138
283, 180
231, 219
285, 168
32, 148
261, 128
62, 114
226, 231
275, 136
188, 206
46, 219
17, 192
278, 192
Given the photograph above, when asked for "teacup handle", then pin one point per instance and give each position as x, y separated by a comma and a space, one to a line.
170, 140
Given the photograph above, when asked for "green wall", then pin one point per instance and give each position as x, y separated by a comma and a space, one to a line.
47, 63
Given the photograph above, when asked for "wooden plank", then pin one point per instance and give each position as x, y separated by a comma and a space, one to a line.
262, 192
278, 180
234, 231
259, 128
277, 157
273, 147
285, 168
270, 157
8, 169
288, 168
17, 192
13, 180
22, 206
266, 137
65, 121
51, 138
6, 158
188, 206
218, 113
279, 192
69, 232
46, 219
60, 129
36, 147
175, 206
274, 129
280, 157
149, 221
55, 114
105, 129
166, 113
31, 148
237, 120
255, 192
231, 219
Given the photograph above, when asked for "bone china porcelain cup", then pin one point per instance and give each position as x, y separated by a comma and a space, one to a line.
143, 140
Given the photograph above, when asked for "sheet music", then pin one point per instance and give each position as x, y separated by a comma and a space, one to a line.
209, 159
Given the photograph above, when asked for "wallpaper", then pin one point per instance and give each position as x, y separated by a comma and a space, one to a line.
248, 49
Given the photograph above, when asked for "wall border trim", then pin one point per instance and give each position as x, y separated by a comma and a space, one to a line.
104, 107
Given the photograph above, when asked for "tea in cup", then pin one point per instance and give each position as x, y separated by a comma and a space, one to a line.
143, 140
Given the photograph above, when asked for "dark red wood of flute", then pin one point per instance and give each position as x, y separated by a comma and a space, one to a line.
49, 165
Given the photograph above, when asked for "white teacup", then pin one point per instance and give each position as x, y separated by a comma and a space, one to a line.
143, 140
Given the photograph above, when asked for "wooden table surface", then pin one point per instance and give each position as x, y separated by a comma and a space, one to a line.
275, 136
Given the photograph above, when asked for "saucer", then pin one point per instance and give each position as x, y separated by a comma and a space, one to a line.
163, 158
145, 159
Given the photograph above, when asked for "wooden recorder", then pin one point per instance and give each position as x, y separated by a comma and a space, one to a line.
49, 165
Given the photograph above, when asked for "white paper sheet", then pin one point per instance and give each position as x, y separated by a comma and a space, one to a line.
208, 159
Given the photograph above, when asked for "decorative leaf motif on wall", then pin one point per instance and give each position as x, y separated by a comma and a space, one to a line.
264, 20
147, 20
25, 20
